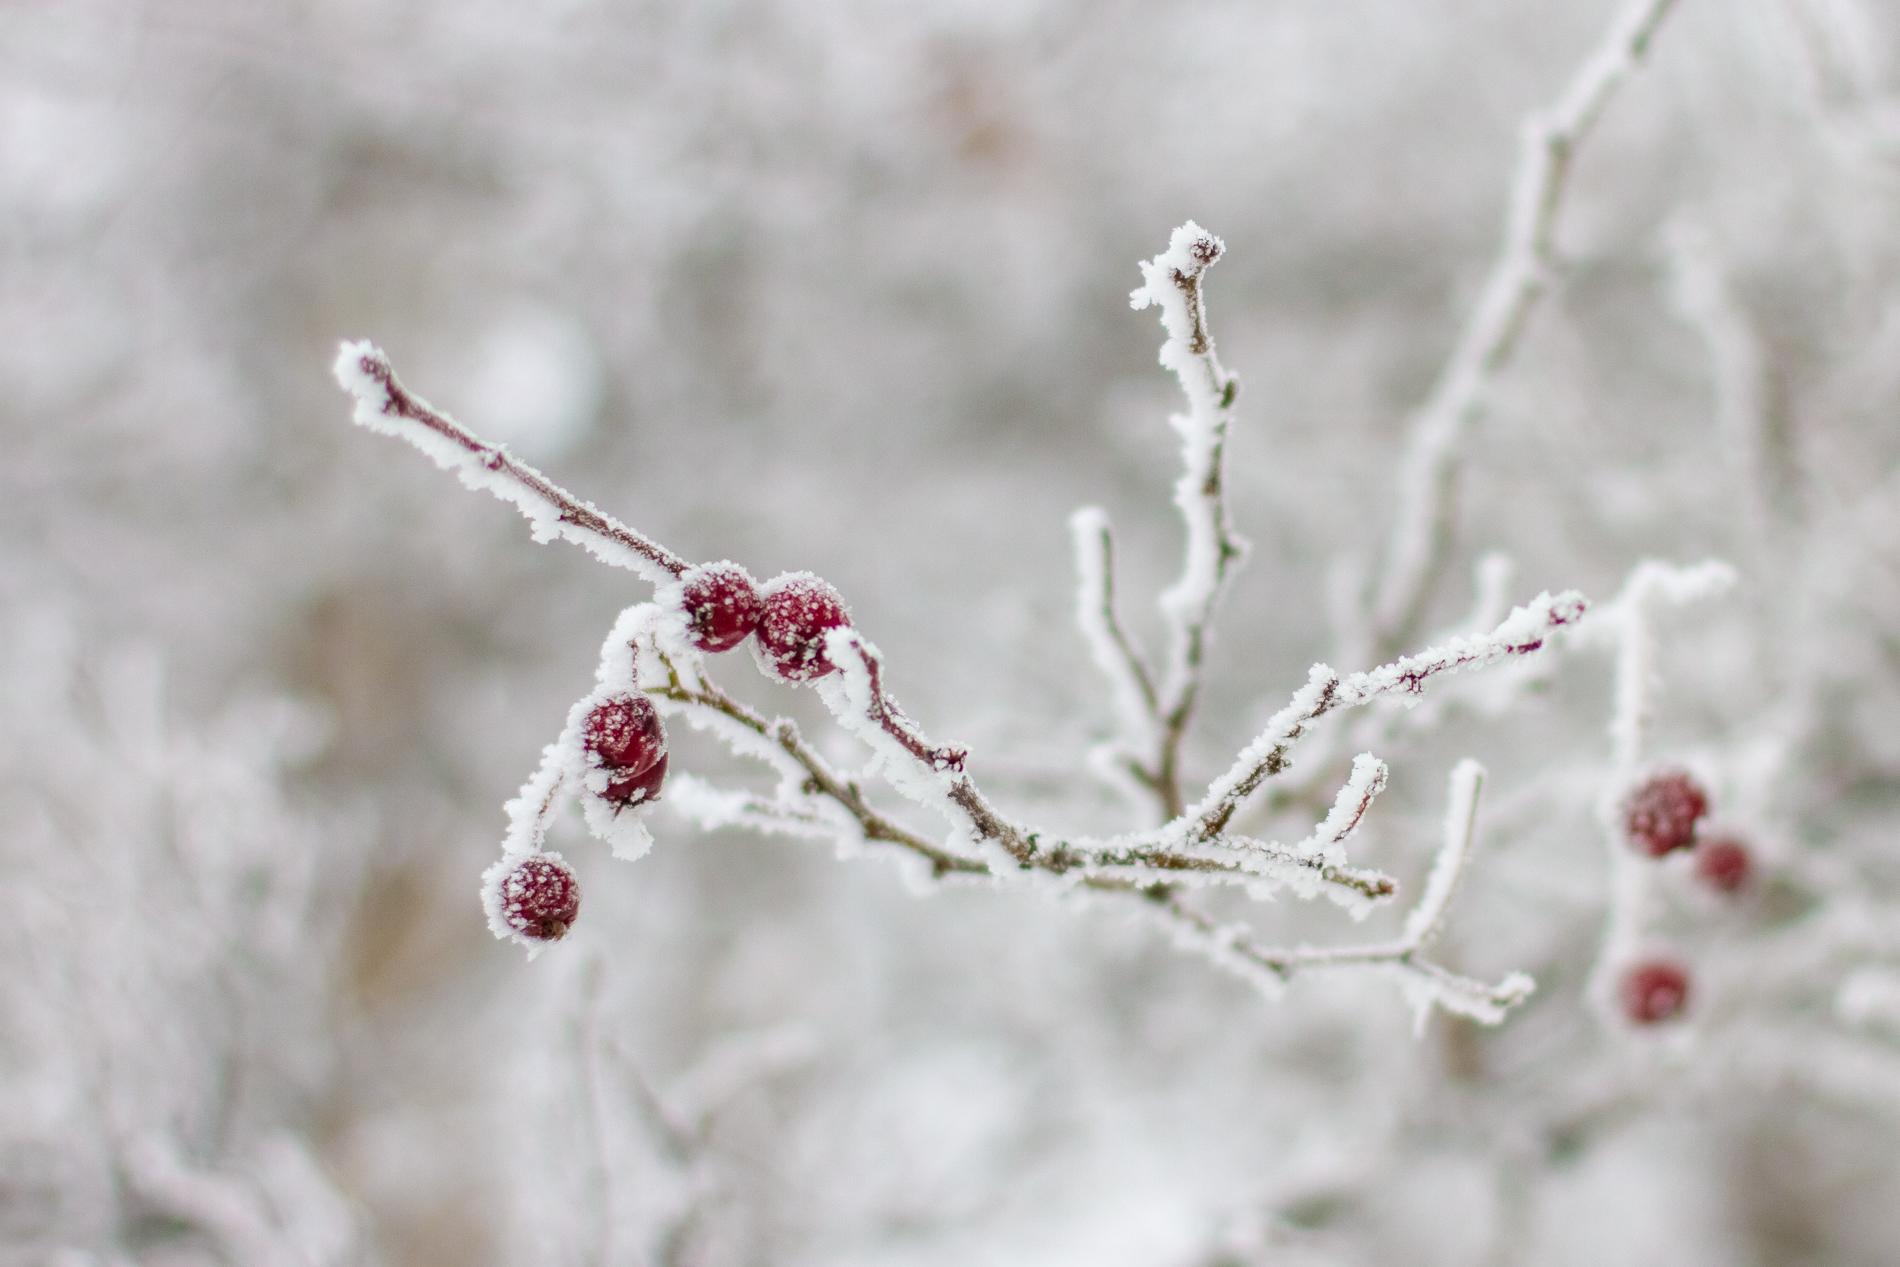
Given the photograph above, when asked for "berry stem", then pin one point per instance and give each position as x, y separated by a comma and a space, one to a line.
822, 780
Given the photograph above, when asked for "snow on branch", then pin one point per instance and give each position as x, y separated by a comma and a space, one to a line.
1426, 983
1137, 705
1326, 691
1522, 274
384, 404
613, 756
1174, 283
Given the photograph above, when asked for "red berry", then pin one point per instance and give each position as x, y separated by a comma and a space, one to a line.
639, 789
624, 734
1660, 814
722, 605
536, 897
1654, 991
1724, 864
800, 609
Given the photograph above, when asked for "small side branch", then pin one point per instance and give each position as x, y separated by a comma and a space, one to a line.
1521, 276
1137, 705
384, 404
701, 699
1429, 983
1523, 632
914, 767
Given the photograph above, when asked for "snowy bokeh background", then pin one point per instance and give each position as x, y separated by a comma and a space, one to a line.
842, 286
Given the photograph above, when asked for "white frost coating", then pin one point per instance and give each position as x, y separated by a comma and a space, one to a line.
712, 808
1461, 820
1362, 786
532, 811
1222, 945
622, 827
1461, 996
1094, 595
856, 702
494, 904
1171, 281
1520, 633
362, 370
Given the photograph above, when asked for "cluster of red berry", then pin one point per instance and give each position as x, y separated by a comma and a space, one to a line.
623, 735
1660, 816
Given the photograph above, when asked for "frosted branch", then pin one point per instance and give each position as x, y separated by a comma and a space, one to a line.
1137, 706
383, 404
1428, 983
654, 649
1521, 275
1461, 821
1326, 691
1173, 281
915, 769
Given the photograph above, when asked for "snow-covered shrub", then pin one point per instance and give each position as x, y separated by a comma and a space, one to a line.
839, 288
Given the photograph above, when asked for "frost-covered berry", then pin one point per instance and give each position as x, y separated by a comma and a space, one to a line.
800, 609
1660, 813
638, 789
722, 605
624, 734
1654, 991
531, 898
1724, 864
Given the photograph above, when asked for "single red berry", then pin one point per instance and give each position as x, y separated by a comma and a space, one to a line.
722, 605
1724, 864
624, 734
1660, 813
1654, 991
638, 789
800, 609
536, 897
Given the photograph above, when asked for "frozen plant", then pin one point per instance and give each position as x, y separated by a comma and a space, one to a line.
612, 754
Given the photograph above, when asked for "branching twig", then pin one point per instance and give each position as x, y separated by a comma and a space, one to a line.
1431, 983
1326, 691
1522, 274
649, 650
1173, 282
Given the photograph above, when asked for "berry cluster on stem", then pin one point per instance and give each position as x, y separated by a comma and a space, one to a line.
613, 753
